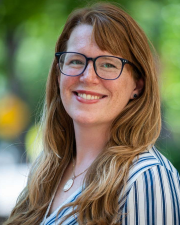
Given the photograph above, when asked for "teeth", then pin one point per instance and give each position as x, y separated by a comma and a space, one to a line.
89, 97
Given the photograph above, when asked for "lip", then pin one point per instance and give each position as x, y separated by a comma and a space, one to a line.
89, 92
88, 101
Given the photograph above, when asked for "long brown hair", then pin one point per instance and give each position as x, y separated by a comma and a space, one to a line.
136, 127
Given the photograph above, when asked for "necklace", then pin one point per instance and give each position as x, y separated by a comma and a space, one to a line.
70, 182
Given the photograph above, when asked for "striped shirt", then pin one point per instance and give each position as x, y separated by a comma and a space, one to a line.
151, 197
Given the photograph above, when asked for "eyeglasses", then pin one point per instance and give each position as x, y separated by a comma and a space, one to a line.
106, 67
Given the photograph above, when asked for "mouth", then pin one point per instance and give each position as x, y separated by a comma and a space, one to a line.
89, 96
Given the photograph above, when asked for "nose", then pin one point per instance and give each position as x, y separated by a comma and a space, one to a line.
89, 75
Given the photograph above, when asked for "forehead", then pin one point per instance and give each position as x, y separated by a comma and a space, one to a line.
82, 40
81, 36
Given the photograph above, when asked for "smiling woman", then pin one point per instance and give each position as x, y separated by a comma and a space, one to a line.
113, 91
100, 123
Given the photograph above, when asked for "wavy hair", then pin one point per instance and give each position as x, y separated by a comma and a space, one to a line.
135, 129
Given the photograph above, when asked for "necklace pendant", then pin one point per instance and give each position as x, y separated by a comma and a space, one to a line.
68, 184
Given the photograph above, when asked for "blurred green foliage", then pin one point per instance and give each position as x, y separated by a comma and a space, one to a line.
28, 33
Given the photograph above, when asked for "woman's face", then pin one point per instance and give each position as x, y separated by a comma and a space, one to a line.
110, 96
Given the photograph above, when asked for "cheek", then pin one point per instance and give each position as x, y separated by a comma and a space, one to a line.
62, 86
64, 82
67, 85
67, 81
121, 93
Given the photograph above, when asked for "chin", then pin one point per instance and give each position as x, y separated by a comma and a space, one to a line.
90, 121
84, 121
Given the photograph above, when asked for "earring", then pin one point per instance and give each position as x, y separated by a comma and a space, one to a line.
135, 95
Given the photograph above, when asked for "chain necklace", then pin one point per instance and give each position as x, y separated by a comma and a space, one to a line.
70, 182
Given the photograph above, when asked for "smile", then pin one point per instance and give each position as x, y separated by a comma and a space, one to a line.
88, 96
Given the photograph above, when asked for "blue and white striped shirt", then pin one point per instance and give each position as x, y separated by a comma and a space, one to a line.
151, 197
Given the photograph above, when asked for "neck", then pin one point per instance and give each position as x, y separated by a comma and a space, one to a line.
90, 142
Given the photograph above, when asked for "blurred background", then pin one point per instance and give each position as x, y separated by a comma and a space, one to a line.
28, 33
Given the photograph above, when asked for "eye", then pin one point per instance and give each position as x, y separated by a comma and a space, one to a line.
108, 65
76, 62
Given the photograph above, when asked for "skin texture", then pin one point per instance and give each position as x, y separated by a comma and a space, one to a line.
115, 93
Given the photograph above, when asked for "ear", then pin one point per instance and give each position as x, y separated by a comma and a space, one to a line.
138, 89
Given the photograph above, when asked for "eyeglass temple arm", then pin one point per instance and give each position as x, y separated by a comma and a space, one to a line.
57, 55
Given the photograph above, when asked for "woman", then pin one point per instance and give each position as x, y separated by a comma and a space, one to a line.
101, 119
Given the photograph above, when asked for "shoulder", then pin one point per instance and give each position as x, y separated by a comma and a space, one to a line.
151, 160
153, 190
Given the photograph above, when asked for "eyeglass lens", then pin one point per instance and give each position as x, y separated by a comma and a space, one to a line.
106, 67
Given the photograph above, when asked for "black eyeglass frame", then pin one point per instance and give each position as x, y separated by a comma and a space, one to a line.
123, 61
